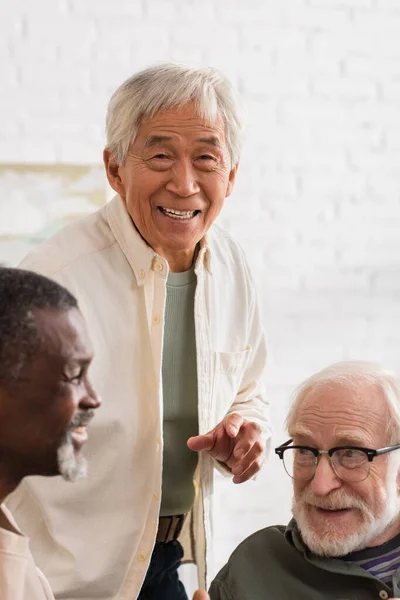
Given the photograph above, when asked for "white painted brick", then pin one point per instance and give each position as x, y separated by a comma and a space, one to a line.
286, 84
328, 279
374, 160
321, 111
253, 11
339, 87
25, 8
323, 17
388, 5
393, 139
380, 68
218, 36
387, 281
391, 90
122, 8
169, 11
372, 112
59, 29
343, 4
268, 39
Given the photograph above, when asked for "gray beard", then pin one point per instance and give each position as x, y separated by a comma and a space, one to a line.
70, 466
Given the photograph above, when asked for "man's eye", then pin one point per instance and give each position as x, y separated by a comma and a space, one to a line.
206, 157
351, 453
74, 378
160, 156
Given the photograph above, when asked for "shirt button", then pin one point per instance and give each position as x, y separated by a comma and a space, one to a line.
158, 266
156, 495
142, 273
156, 319
142, 556
383, 594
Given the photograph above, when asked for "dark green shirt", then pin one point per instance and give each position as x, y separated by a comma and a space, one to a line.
275, 564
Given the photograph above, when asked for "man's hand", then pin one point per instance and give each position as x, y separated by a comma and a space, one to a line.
237, 443
201, 595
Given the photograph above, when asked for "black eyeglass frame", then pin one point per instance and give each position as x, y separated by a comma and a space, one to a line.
370, 453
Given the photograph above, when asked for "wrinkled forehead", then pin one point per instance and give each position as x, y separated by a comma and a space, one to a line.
187, 118
358, 412
63, 333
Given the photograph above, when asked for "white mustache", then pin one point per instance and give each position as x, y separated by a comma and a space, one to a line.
82, 418
336, 500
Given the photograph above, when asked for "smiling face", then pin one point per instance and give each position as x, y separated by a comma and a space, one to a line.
44, 414
337, 517
174, 182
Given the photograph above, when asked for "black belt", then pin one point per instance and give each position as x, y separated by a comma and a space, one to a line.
169, 528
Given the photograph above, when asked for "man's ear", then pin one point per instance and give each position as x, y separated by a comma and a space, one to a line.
231, 180
112, 170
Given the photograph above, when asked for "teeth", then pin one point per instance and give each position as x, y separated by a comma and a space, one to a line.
179, 214
80, 429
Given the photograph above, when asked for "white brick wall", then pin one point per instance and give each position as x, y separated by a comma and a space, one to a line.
317, 204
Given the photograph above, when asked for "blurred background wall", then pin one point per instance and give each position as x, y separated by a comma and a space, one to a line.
317, 204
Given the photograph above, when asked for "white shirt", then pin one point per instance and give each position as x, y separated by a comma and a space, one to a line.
19, 577
94, 539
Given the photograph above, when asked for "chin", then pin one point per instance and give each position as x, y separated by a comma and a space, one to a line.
334, 545
331, 539
71, 467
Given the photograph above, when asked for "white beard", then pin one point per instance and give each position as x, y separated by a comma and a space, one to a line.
332, 544
70, 466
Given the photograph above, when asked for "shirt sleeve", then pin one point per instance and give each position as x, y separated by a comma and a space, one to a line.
218, 591
251, 401
46, 586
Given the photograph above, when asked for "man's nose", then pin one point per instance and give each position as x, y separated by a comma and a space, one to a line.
325, 479
183, 181
91, 398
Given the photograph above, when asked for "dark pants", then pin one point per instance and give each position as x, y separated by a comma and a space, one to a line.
162, 579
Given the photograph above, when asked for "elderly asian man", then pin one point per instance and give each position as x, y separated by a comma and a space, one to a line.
46, 402
344, 457
179, 349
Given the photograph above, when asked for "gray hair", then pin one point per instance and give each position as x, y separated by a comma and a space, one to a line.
166, 86
351, 374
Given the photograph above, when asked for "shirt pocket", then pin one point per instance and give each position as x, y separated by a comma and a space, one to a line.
232, 363
229, 370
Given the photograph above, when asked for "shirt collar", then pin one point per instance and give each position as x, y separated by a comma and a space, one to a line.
140, 255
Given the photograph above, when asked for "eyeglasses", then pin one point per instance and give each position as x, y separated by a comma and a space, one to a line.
350, 463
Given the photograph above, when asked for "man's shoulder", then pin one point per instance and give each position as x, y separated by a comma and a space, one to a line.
251, 563
219, 238
82, 238
260, 567
264, 539
226, 251
260, 544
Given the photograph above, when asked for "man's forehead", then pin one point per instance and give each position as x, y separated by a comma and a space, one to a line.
349, 412
63, 332
170, 122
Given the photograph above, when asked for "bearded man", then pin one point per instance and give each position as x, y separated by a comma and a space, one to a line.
46, 402
343, 455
